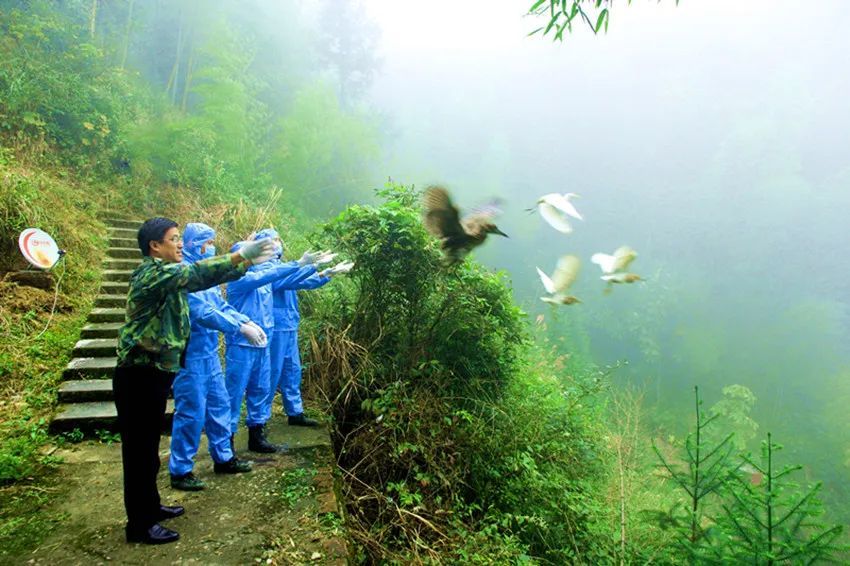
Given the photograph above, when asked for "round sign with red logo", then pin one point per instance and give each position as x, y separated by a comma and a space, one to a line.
38, 248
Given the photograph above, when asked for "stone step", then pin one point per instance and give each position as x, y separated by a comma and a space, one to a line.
111, 301
107, 315
95, 415
119, 275
124, 242
100, 330
124, 223
127, 233
89, 368
125, 264
83, 390
119, 252
115, 287
95, 347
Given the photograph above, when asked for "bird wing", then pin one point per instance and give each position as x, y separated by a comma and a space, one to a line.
604, 261
624, 255
441, 216
481, 215
563, 203
548, 284
554, 217
566, 272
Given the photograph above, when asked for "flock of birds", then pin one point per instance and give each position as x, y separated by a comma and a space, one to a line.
459, 236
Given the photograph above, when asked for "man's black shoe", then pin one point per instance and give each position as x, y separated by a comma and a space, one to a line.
232, 466
157, 534
166, 512
257, 441
301, 420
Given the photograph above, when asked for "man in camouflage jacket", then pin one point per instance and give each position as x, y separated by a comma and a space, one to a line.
151, 347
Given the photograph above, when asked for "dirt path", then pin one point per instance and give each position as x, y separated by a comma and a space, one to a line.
284, 512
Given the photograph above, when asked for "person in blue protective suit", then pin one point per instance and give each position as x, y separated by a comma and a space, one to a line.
247, 372
284, 359
200, 396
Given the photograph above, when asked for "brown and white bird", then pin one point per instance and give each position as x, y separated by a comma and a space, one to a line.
564, 276
458, 236
614, 266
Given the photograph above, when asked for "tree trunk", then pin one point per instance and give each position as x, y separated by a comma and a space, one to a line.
127, 33
93, 18
175, 69
187, 83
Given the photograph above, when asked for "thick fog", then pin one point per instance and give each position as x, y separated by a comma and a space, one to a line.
712, 137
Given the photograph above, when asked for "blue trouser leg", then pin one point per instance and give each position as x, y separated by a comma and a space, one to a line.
247, 377
258, 390
290, 380
277, 351
238, 360
217, 422
189, 407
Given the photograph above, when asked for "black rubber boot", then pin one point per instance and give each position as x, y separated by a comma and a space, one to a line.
257, 441
301, 420
232, 466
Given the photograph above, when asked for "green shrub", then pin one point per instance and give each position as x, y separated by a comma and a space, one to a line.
449, 438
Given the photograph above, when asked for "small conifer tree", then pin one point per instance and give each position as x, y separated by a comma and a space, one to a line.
768, 519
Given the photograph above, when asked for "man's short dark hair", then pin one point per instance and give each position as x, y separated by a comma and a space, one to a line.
153, 230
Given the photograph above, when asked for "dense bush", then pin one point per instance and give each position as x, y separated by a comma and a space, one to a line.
445, 426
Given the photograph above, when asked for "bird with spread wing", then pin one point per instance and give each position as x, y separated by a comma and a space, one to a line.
458, 236
563, 277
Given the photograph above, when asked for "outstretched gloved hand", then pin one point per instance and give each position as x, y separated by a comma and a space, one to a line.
343, 267
258, 251
325, 257
308, 258
254, 334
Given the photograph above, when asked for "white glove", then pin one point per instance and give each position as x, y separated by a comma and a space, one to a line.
258, 251
308, 258
343, 267
254, 334
325, 257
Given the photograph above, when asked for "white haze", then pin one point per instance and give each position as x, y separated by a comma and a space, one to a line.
712, 137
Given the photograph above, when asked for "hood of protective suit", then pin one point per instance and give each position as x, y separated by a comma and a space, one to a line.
270, 233
196, 235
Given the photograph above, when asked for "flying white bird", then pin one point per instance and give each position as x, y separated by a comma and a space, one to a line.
619, 261
614, 266
564, 276
555, 208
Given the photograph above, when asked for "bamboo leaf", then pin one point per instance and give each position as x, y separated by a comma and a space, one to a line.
603, 18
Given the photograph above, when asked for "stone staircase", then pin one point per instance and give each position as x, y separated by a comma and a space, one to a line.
85, 395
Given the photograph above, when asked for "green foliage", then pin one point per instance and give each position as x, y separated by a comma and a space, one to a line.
768, 519
322, 149
294, 485
55, 89
734, 414
750, 513
445, 423
560, 15
708, 469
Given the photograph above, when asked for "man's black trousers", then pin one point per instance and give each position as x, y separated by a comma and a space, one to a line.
141, 393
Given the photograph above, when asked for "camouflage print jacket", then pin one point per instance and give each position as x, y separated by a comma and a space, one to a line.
157, 324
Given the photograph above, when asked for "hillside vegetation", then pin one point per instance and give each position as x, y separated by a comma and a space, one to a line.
461, 434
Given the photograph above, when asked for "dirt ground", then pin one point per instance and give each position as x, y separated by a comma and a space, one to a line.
284, 512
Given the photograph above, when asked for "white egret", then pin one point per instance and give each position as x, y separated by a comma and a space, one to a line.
565, 274
555, 208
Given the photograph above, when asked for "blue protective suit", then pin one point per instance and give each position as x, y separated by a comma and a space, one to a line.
248, 366
284, 359
200, 396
